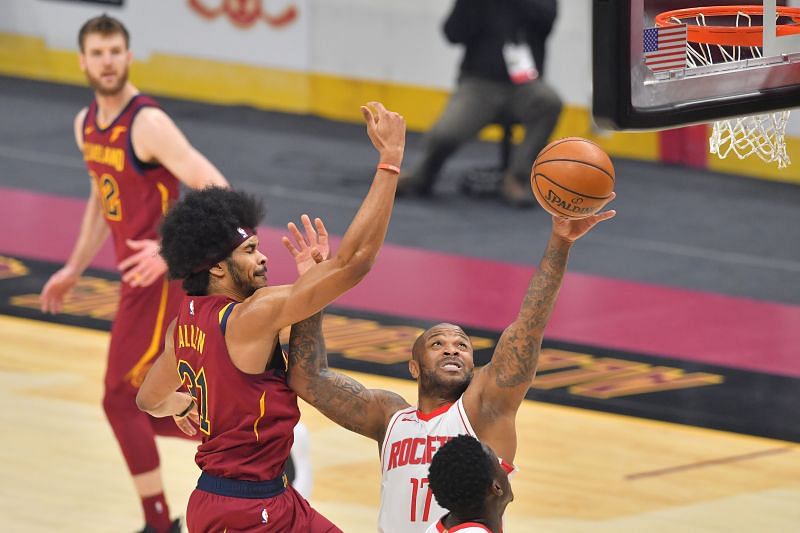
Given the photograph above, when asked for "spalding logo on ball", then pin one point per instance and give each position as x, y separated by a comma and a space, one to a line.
572, 178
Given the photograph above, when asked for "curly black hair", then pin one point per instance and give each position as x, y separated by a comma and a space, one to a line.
201, 229
460, 475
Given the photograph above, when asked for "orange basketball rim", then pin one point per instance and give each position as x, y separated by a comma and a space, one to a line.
728, 35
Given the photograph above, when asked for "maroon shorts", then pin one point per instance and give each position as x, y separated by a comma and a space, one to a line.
137, 333
287, 512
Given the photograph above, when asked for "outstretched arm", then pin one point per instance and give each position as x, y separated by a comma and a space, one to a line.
498, 388
341, 398
271, 308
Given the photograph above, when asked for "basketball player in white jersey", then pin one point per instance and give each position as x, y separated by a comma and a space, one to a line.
454, 398
467, 480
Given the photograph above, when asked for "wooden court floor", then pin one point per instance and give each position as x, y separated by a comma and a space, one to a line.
580, 470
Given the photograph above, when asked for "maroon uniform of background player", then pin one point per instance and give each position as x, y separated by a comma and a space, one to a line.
136, 157
134, 196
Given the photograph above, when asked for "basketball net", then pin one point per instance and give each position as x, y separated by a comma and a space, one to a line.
761, 135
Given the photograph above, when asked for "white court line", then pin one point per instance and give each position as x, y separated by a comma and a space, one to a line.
279, 191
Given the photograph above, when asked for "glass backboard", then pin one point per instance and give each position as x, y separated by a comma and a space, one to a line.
666, 63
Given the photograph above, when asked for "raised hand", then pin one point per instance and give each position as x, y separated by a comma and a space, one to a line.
145, 266
572, 230
311, 249
387, 131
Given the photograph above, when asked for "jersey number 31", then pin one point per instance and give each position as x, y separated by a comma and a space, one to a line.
196, 382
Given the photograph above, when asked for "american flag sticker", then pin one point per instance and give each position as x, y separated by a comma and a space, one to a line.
665, 47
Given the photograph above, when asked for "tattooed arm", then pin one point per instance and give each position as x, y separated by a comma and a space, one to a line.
337, 396
497, 390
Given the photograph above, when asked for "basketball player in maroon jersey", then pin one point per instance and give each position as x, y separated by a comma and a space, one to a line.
453, 397
136, 158
225, 344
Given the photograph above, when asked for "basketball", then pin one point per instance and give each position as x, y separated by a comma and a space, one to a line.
572, 178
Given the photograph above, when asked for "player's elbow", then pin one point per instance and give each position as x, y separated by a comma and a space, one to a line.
356, 266
300, 387
362, 264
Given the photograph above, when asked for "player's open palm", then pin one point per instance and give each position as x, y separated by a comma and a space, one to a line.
386, 130
572, 230
56, 289
310, 249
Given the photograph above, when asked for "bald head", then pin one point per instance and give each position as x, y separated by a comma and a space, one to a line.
444, 328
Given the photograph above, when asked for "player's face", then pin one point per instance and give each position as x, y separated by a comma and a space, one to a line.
248, 267
501, 481
105, 61
446, 362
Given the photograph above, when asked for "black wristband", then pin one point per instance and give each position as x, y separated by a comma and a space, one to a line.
187, 410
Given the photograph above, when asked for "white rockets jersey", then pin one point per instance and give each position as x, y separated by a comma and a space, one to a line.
468, 527
412, 438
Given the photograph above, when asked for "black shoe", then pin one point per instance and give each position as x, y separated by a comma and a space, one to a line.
174, 527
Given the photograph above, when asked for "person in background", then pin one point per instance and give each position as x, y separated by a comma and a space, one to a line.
137, 158
501, 80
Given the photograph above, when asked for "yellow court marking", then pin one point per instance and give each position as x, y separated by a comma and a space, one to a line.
576, 466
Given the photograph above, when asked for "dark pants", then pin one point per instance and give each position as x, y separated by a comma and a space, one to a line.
477, 102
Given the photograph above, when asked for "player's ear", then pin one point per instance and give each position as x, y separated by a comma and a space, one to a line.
497, 490
218, 271
413, 368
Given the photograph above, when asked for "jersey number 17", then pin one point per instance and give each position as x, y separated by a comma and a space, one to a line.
420, 487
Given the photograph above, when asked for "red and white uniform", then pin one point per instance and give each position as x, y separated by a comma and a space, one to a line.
412, 438
466, 527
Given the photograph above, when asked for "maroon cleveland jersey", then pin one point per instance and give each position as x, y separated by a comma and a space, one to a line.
135, 195
247, 420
